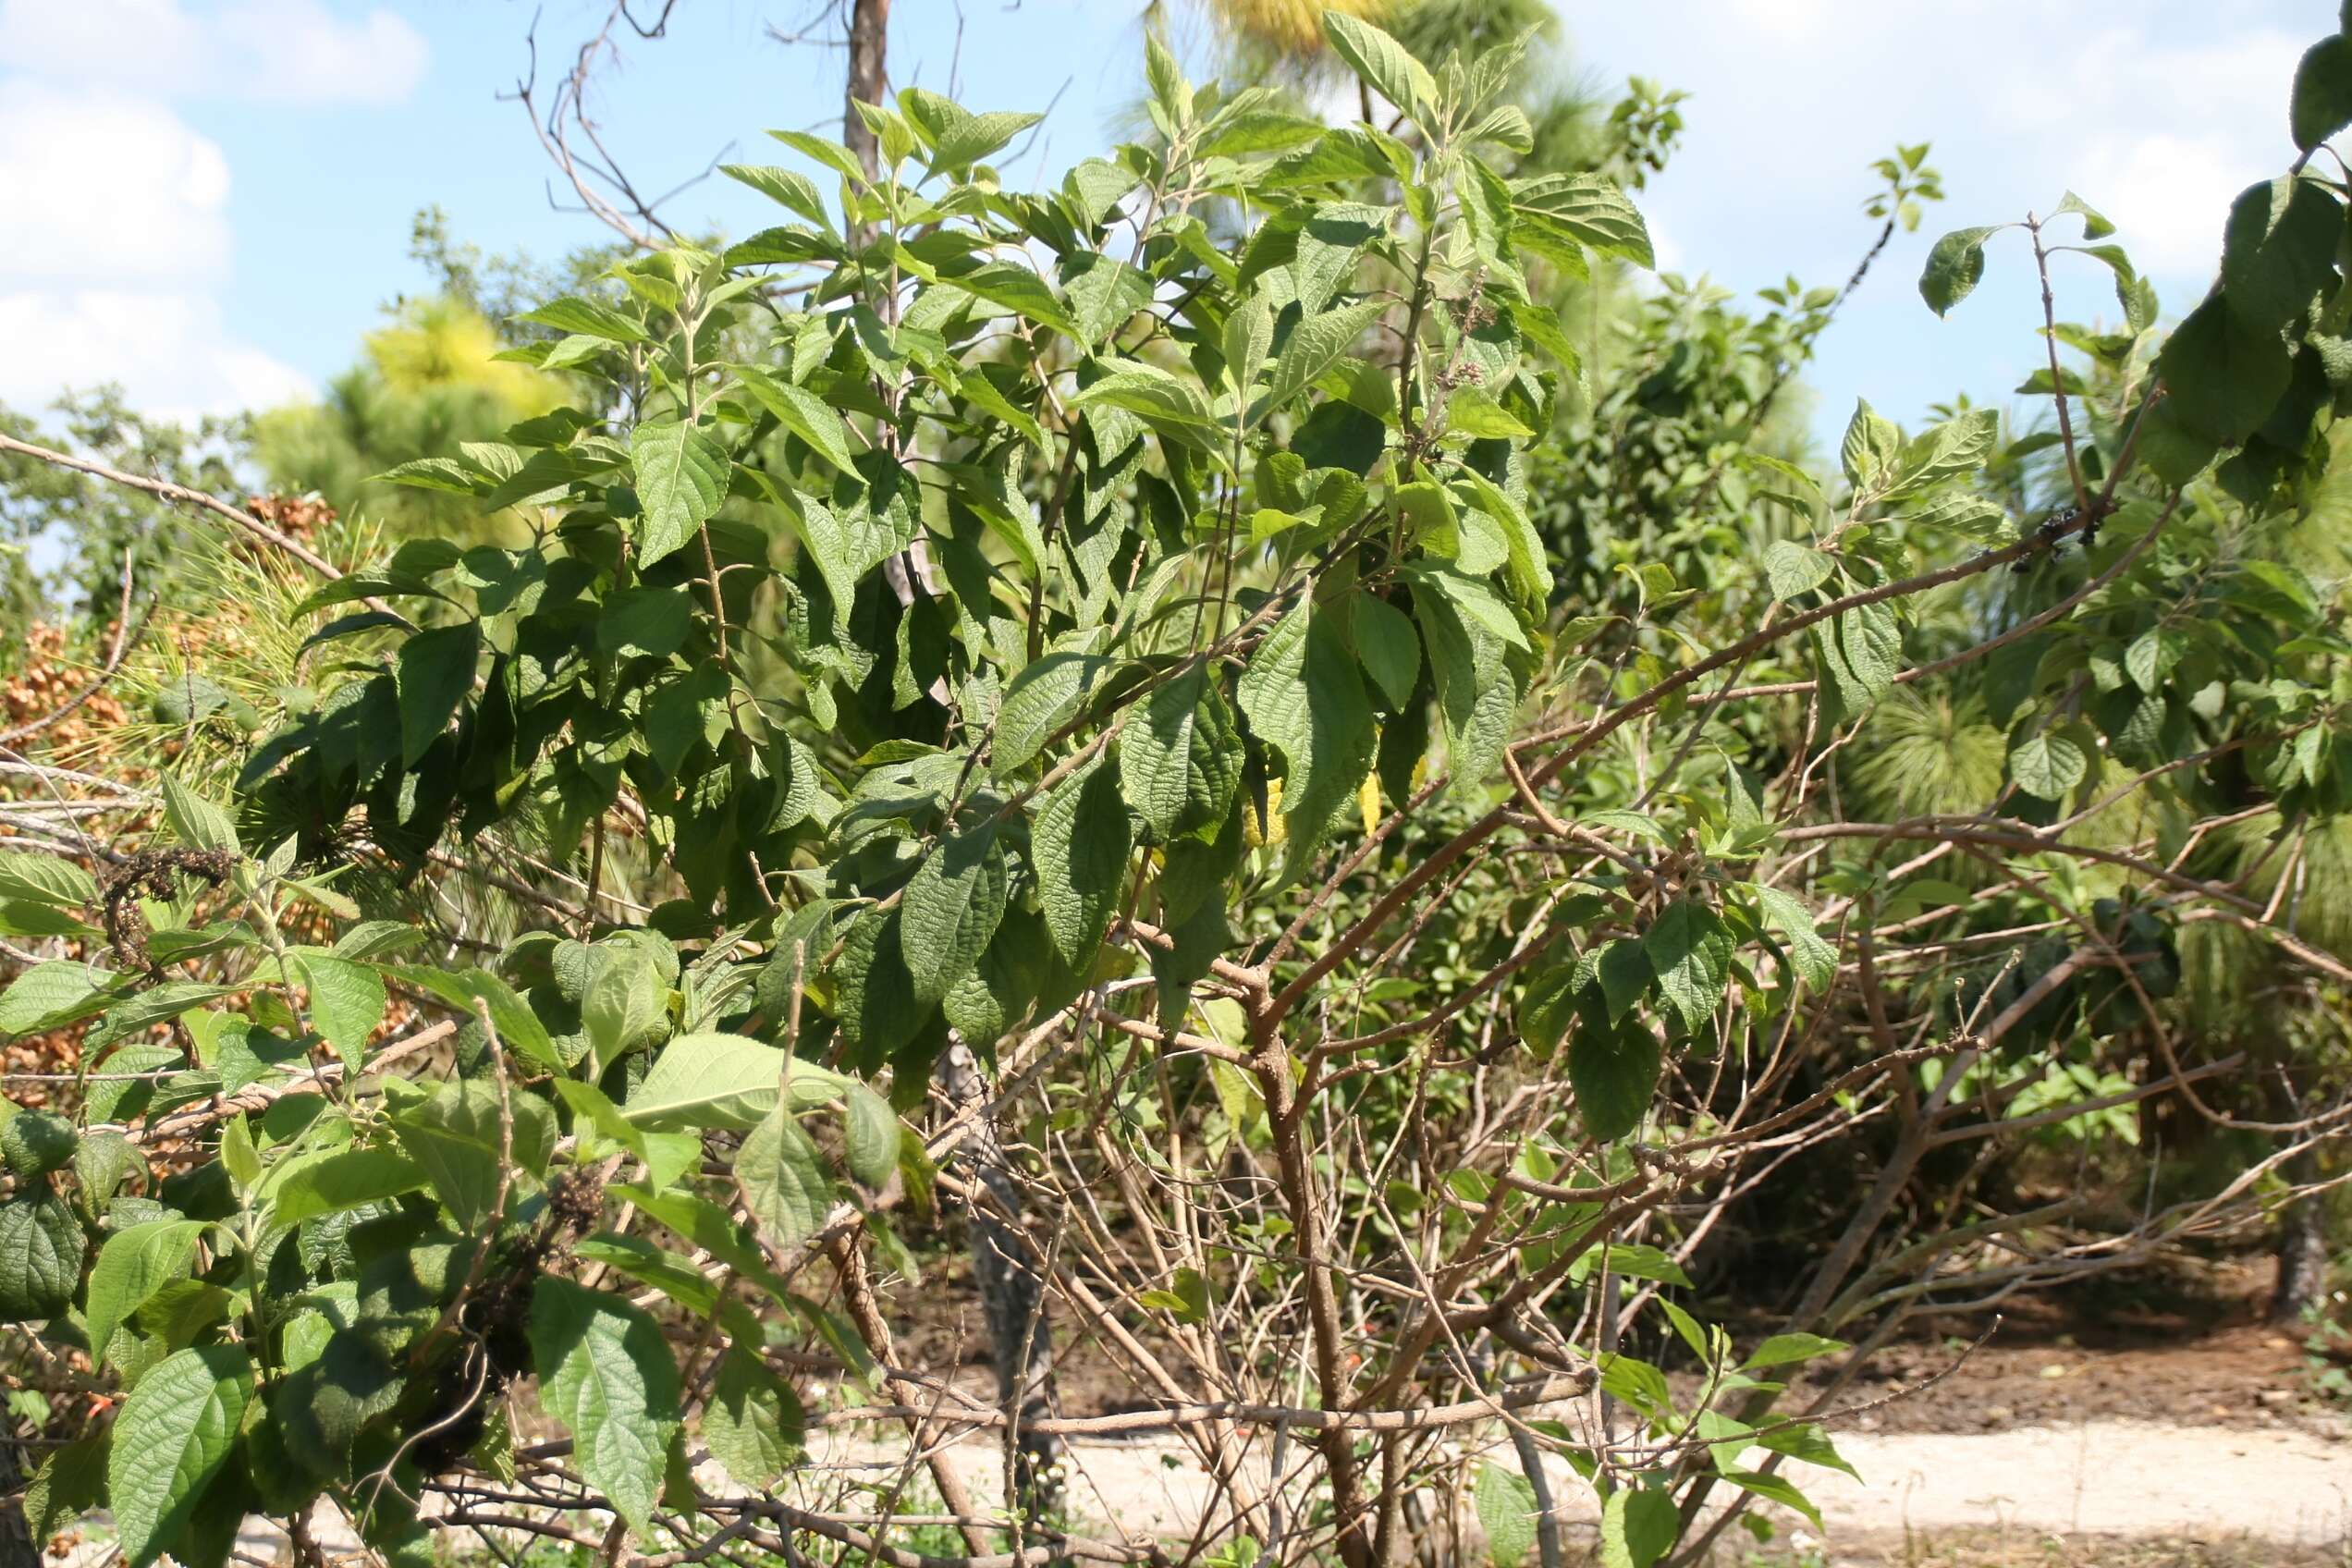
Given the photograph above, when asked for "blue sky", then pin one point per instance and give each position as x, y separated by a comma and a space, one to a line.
209, 199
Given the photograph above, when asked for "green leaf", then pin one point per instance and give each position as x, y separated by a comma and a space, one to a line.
1388, 647
721, 1081
1614, 1073
966, 141
1304, 697
1816, 960
197, 822
1152, 392
1079, 842
951, 908
2278, 251
346, 1004
1690, 951
1042, 698
789, 187
46, 879
803, 413
1585, 208
588, 318
173, 1436
2095, 224
1793, 568
1859, 654
1807, 1443
2047, 765
455, 1137
1637, 1528
1507, 1512
133, 1265
1954, 266
783, 1182
1783, 1350
346, 1179
870, 1135
433, 675
1018, 290
645, 622
1104, 294
607, 1374
1314, 345
1383, 64
1477, 694
823, 150
624, 1004
1870, 448
2223, 375
1774, 1488
752, 1421
40, 1252
682, 472
1472, 412
1155, 752
519, 1028
70, 1482
49, 996
2321, 102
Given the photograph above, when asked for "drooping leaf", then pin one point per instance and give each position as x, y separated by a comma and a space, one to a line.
2321, 102
2224, 376
1384, 64
40, 1252
782, 1179
752, 1420
721, 1081
1614, 1073
871, 1135
951, 908
433, 676
346, 1001
2047, 765
1079, 842
1956, 264
606, 1372
682, 477
173, 1436
133, 1265
1637, 1528
1506, 1505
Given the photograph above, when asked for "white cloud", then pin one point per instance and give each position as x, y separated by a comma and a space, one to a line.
103, 189
283, 50
2166, 175
172, 354
117, 227
2157, 111
117, 232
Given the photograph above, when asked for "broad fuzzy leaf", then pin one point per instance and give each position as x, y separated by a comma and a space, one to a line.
172, 1438
606, 1372
682, 477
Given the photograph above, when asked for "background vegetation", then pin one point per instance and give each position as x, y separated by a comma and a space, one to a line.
1279, 744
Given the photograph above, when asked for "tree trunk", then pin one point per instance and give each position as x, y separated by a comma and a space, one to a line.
2302, 1246
17, 1549
869, 76
1012, 1291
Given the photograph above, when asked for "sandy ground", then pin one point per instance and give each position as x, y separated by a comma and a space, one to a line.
2114, 1479
2098, 1477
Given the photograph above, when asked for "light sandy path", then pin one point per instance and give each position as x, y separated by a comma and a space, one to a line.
2112, 1477
2108, 1477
